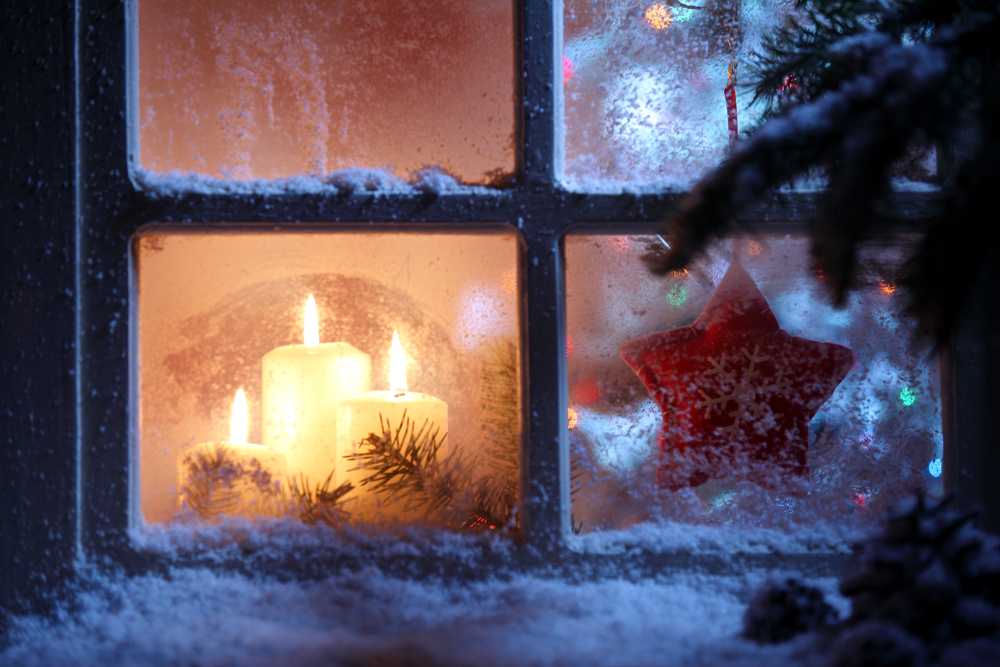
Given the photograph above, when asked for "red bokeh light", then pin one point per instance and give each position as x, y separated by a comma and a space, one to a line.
568, 69
586, 390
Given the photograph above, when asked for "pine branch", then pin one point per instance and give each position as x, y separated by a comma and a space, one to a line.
321, 503
217, 484
496, 493
874, 97
405, 467
208, 490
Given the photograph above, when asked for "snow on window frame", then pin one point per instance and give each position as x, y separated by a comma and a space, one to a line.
116, 199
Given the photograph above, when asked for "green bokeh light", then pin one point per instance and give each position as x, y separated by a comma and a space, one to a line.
908, 396
676, 295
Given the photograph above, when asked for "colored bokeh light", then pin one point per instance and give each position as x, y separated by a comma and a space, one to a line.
659, 17
585, 390
676, 295
568, 69
908, 396
789, 84
754, 249
886, 287
934, 468
573, 418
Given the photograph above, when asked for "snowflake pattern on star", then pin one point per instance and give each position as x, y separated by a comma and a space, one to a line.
736, 391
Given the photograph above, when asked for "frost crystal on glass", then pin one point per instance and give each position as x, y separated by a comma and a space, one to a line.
654, 86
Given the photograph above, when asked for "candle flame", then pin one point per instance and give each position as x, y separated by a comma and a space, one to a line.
311, 335
397, 366
238, 428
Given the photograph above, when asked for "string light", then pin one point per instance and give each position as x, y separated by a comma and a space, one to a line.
659, 17
934, 468
886, 288
573, 418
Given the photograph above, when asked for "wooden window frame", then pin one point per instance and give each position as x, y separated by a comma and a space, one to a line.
96, 514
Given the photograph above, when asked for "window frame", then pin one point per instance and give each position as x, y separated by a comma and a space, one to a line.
111, 207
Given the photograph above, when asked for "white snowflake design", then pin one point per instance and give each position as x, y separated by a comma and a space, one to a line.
744, 394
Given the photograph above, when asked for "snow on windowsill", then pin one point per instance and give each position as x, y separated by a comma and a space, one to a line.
196, 616
672, 537
345, 181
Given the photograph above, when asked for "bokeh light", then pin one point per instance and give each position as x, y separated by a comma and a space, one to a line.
585, 390
568, 69
934, 468
659, 17
908, 396
573, 418
676, 295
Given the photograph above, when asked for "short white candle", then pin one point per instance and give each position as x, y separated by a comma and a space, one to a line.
250, 482
302, 386
360, 416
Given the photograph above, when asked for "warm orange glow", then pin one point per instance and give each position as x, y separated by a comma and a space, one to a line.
238, 426
573, 418
397, 366
311, 333
754, 249
659, 17
508, 281
886, 288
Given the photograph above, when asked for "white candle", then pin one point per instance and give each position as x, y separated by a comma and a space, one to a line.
359, 416
248, 481
302, 386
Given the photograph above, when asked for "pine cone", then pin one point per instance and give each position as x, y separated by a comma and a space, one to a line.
932, 574
783, 608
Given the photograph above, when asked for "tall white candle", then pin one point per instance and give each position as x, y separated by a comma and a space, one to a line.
249, 483
360, 416
302, 386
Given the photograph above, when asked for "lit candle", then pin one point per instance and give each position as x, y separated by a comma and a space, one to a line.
231, 477
302, 386
362, 415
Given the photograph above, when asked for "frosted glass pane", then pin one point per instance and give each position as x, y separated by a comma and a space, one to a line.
760, 429
221, 313
244, 89
644, 86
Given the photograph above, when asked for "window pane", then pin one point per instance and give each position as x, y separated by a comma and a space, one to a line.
734, 394
654, 91
226, 333
272, 89
645, 86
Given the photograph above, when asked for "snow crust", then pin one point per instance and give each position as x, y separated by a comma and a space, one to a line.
344, 181
726, 540
366, 617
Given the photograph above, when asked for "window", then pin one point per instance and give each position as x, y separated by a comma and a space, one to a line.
545, 231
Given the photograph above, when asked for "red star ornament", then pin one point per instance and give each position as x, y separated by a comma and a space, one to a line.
736, 391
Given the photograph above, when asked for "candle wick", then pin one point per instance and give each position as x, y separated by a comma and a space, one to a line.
402, 393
